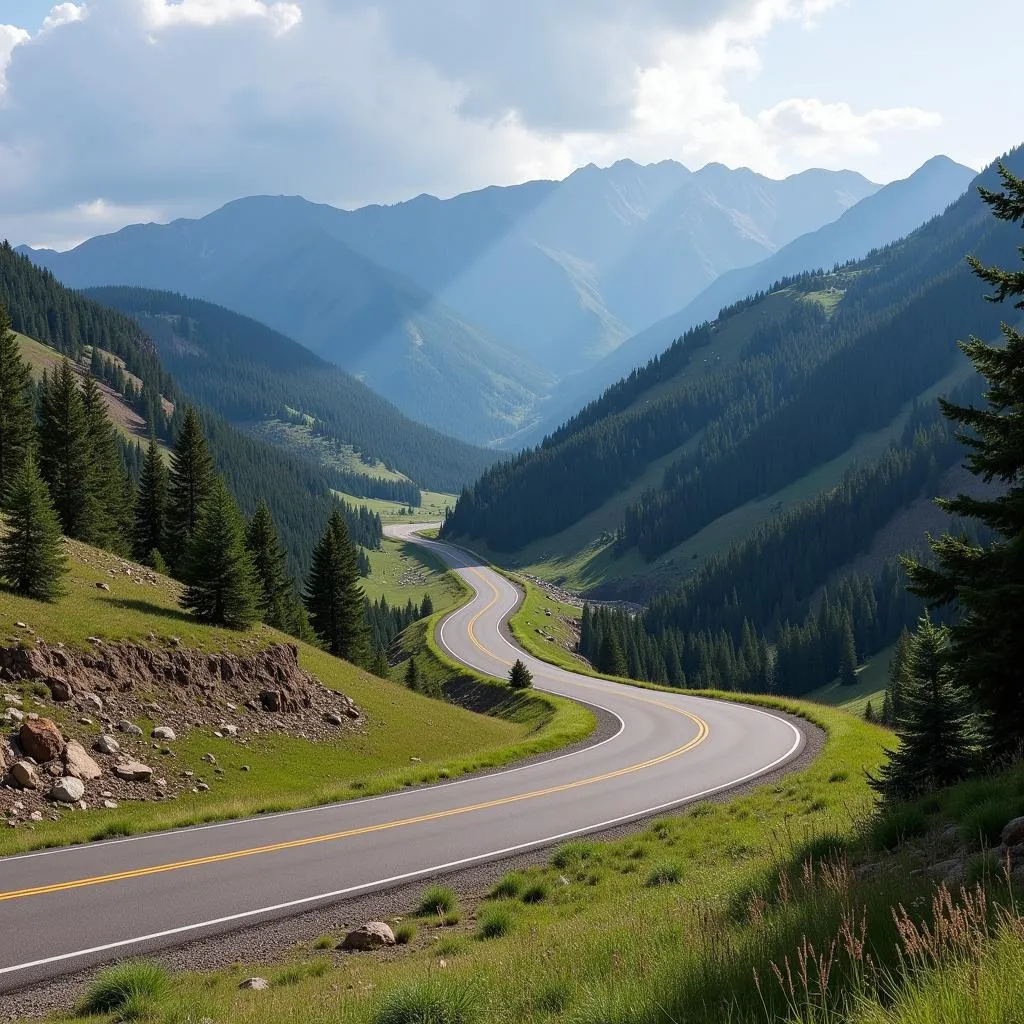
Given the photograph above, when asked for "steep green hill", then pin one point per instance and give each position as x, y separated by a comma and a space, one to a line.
759, 410
284, 393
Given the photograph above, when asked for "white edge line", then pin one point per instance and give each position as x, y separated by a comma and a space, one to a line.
437, 868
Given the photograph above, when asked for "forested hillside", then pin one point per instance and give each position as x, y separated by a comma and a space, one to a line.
298, 493
780, 385
249, 373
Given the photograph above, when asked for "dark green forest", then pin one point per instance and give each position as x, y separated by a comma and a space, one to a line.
245, 371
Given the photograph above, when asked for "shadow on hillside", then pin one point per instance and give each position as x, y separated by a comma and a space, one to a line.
134, 604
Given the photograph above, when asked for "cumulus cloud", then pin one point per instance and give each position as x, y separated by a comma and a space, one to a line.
183, 104
10, 37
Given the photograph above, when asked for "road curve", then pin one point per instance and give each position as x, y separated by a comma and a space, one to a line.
64, 909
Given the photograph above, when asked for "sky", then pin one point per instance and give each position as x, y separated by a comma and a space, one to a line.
121, 111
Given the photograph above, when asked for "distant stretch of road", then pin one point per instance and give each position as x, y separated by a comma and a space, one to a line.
64, 909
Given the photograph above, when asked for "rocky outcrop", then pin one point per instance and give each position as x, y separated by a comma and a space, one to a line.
372, 935
40, 739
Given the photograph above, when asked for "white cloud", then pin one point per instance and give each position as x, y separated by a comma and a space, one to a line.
64, 14
10, 37
182, 105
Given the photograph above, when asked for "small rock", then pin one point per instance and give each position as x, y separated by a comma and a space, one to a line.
25, 775
372, 935
1013, 832
92, 700
351, 712
21, 625
68, 790
218, 734
102, 586
160, 783
106, 794
255, 984
209, 759
176, 641
85, 720
229, 730
130, 728
36, 816
41, 740
79, 764
110, 805
202, 787
12, 698
134, 771
231, 707
14, 715
244, 768
332, 718
106, 744
416, 760
163, 732
152, 707
17, 806
60, 690
94, 640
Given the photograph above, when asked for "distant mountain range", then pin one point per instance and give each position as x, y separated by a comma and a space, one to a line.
467, 312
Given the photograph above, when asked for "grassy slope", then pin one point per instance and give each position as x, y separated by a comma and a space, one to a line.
400, 572
284, 772
299, 438
432, 509
872, 679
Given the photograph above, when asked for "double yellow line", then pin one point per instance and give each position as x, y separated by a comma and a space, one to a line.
219, 858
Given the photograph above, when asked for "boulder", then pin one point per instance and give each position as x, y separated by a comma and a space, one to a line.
25, 775
270, 700
79, 764
60, 690
91, 700
163, 732
229, 730
332, 718
130, 728
134, 771
255, 984
1013, 832
41, 740
106, 744
14, 715
68, 790
372, 935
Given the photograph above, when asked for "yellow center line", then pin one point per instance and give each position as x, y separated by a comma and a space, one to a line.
156, 869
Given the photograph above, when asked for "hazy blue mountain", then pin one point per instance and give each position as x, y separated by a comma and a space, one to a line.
465, 311
877, 220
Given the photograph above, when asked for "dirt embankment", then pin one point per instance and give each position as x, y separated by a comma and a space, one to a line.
120, 705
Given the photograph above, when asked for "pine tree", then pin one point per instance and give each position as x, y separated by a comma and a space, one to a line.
935, 727
334, 596
519, 676
64, 449
151, 507
611, 660
892, 706
426, 607
985, 582
271, 573
847, 658
192, 479
222, 587
869, 712
379, 664
17, 417
412, 674
109, 519
31, 559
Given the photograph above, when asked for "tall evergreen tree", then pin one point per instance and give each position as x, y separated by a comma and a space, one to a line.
109, 520
935, 724
64, 458
412, 674
899, 670
31, 559
192, 479
269, 559
426, 606
222, 587
985, 582
334, 596
847, 658
611, 660
17, 417
151, 506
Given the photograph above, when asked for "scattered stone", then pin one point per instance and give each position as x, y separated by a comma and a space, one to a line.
85, 720
209, 759
160, 783
163, 732
130, 728
60, 690
134, 771
21, 625
106, 744
351, 711
1013, 832
12, 698
106, 794
79, 764
110, 805
91, 699
244, 768
68, 790
95, 640
202, 787
255, 984
103, 586
332, 718
36, 816
231, 707
25, 775
13, 715
41, 740
372, 935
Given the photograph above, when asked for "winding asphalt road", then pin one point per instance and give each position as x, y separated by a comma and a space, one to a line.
61, 910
